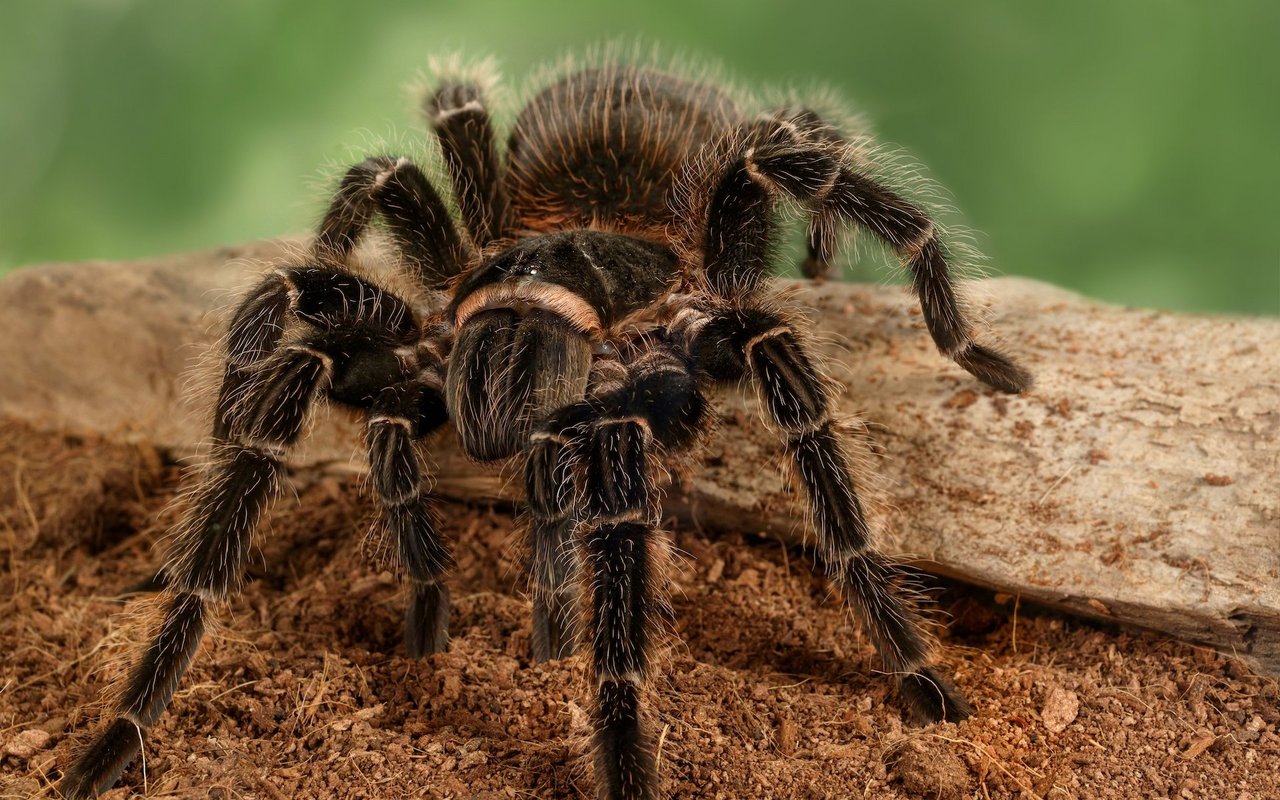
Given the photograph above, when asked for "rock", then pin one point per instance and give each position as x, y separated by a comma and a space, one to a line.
932, 770
1060, 709
27, 743
1136, 483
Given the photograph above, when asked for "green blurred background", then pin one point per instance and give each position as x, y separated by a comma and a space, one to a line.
1125, 149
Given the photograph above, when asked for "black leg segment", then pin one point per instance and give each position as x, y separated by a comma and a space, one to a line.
407, 517
461, 122
549, 489
155, 678
348, 308
416, 217
100, 766
886, 600
150, 687
617, 549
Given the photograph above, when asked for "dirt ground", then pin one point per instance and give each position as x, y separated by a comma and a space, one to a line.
767, 691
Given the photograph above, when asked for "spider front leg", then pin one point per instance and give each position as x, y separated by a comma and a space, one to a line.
210, 547
348, 351
461, 122
402, 414
652, 403
729, 344
658, 388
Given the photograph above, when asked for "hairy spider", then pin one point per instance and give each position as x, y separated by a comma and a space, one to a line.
604, 273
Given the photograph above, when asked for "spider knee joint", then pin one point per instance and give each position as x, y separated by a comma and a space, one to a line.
473, 106
380, 180
805, 173
633, 677
398, 421
912, 249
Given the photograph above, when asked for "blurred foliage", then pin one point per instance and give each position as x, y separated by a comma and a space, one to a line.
1125, 149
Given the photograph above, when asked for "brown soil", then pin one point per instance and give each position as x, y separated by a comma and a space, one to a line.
769, 690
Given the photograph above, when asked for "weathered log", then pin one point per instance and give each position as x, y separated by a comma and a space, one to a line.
1139, 482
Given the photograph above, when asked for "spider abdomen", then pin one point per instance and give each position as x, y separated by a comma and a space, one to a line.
605, 145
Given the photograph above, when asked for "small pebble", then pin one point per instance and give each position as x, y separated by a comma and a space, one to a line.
27, 744
1060, 709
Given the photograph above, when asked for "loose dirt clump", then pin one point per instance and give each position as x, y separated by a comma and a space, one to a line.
767, 690
931, 769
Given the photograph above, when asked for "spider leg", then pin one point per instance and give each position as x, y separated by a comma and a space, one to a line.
416, 217
775, 159
211, 544
657, 388
904, 227
823, 230
728, 344
401, 414
549, 490
652, 403
322, 297
269, 387
460, 119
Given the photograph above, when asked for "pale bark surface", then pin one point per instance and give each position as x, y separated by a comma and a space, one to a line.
1139, 482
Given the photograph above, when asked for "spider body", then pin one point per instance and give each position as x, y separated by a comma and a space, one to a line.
607, 271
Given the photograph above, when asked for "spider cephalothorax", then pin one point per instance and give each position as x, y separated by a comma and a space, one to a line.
604, 272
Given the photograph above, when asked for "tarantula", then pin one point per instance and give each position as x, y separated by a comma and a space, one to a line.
602, 276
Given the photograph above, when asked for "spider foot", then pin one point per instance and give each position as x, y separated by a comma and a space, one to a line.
99, 767
932, 698
994, 369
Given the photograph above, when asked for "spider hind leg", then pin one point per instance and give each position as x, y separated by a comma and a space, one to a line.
795, 160
763, 345
416, 217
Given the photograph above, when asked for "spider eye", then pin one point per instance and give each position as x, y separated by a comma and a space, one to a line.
518, 263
